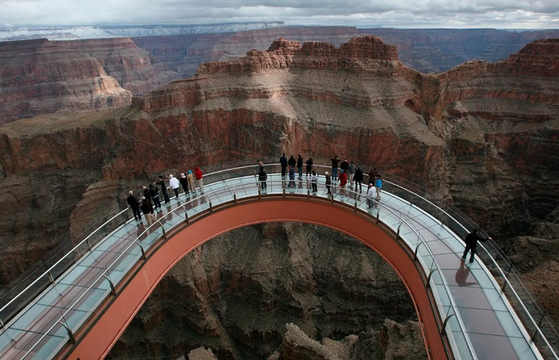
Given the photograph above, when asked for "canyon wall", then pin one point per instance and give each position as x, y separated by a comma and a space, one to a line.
425, 50
135, 69
37, 77
439, 50
240, 293
142, 64
481, 136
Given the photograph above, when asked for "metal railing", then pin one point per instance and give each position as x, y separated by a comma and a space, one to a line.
239, 191
527, 308
222, 176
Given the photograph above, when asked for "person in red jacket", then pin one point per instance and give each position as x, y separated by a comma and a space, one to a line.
343, 181
199, 179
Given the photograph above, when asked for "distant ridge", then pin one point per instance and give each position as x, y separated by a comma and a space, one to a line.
111, 31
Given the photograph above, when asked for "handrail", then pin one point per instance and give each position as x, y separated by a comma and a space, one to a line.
182, 207
225, 181
488, 254
46, 273
60, 260
505, 277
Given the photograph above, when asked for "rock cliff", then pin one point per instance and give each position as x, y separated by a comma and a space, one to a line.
38, 77
240, 293
135, 69
481, 136
438, 50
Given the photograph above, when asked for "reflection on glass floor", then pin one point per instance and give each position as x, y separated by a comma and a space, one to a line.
484, 326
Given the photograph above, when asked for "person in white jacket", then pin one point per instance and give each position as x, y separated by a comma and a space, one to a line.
174, 184
371, 196
314, 180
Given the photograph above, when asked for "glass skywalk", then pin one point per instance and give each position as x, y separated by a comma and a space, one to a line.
478, 319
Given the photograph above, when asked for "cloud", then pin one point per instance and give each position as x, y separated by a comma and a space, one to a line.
402, 13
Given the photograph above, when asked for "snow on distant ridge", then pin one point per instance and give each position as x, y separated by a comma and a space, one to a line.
99, 32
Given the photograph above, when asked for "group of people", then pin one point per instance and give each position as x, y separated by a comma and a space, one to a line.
349, 173
149, 200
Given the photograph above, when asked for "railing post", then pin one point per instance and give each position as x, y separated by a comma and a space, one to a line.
142, 249
416, 250
355, 206
283, 192
186, 216
88, 244
308, 194
428, 283
163, 228
211, 207
235, 198
446, 322
68, 330
113, 290
51, 278
398, 231
538, 326
259, 193
378, 215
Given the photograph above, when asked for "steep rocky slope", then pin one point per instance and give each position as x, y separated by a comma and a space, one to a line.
239, 294
37, 77
135, 69
481, 136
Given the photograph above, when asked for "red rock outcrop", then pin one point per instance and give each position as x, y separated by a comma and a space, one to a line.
37, 77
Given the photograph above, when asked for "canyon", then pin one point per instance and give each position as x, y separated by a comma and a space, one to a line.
103, 70
481, 136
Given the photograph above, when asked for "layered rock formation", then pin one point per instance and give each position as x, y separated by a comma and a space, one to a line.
135, 69
186, 52
438, 50
37, 77
239, 294
481, 136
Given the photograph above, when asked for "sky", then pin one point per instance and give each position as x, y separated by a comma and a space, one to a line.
501, 14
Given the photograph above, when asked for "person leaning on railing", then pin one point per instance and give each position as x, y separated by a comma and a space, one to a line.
471, 244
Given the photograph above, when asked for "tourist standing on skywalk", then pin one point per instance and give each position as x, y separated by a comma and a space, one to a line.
199, 179
343, 181
358, 178
147, 209
174, 184
314, 181
328, 182
154, 193
161, 183
283, 163
184, 182
300, 166
371, 196
262, 177
335, 163
134, 205
309, 163
471, 244
190, 178
378, 185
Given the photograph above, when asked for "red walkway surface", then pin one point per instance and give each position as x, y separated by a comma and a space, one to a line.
96, 342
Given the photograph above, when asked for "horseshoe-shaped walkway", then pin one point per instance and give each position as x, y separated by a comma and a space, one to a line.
80, 314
